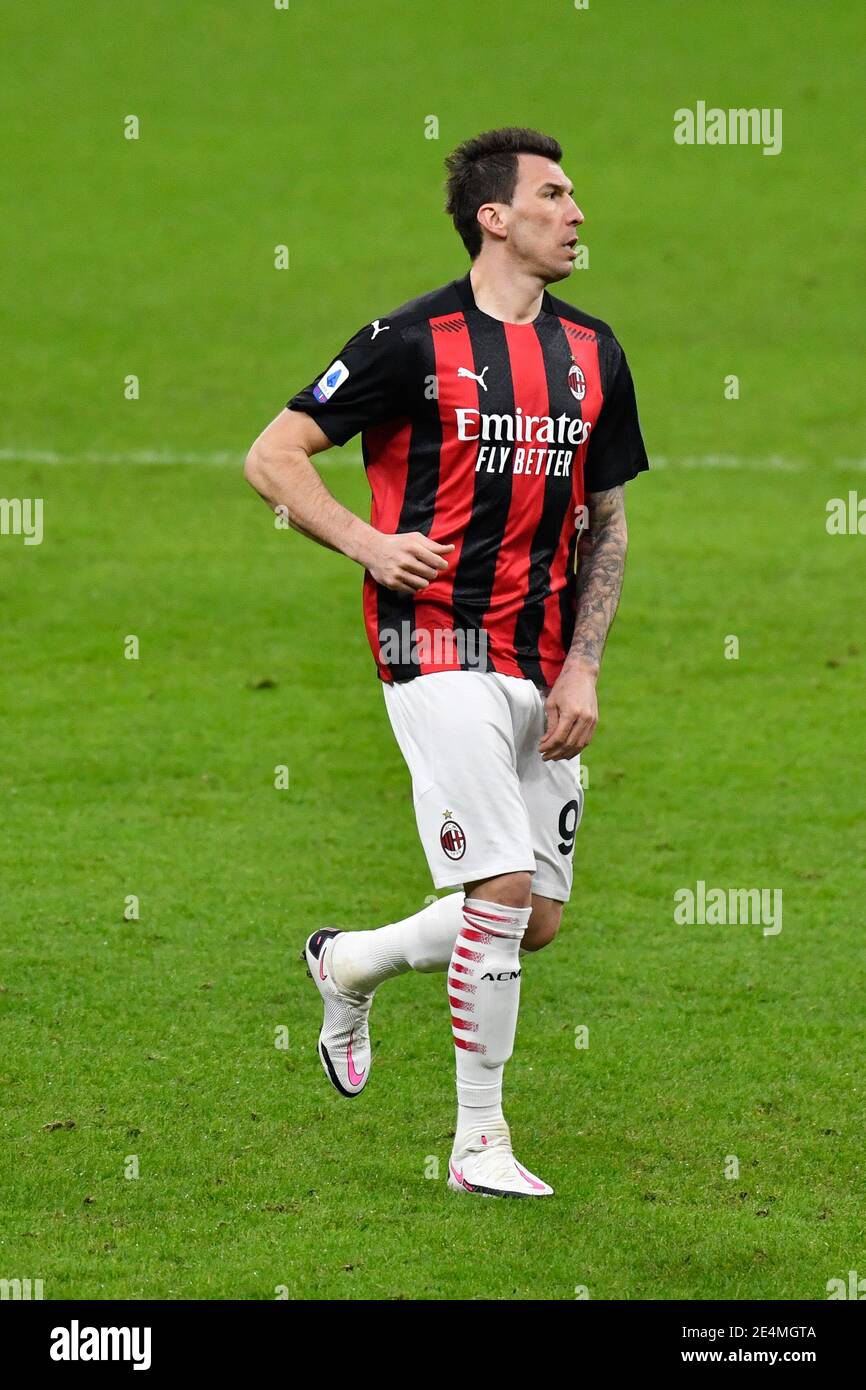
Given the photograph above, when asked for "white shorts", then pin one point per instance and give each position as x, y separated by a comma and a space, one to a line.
485, 802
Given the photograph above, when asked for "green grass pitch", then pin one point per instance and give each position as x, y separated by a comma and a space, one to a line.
153, 1040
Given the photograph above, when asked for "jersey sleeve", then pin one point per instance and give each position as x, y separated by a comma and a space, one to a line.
364, 385
616, 450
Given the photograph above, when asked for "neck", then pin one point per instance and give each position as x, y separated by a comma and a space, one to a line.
505, 292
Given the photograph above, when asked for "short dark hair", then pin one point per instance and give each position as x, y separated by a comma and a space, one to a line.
484, 170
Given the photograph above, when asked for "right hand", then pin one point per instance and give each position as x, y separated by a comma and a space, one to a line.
406, 562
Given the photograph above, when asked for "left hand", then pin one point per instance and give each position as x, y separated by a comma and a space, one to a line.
572, 714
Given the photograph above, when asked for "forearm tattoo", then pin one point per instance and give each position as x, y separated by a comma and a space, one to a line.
601, 552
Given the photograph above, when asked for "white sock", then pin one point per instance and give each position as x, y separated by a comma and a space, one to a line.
484, 993
361, 960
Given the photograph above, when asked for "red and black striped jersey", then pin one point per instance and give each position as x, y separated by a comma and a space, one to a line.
485, 435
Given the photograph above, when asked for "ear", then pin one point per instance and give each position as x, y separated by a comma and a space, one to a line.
490, 218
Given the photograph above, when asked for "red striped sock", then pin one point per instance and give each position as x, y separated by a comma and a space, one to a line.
484, 993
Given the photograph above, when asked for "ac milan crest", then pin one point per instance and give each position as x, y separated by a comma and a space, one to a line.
576, 382
452, 840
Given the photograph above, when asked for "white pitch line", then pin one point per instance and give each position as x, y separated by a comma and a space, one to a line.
136, 457
773, 463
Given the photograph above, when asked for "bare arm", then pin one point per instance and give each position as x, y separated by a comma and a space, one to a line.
602, 549
278, 467
572, 705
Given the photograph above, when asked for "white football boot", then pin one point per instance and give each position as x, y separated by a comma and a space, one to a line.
487, 1168
344, 1041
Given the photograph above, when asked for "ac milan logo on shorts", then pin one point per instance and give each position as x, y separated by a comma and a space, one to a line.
452, 840
576, 382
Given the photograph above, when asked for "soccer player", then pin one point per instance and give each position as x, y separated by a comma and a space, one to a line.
498, 427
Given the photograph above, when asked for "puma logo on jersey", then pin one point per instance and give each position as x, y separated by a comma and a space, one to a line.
377, 330
464, 371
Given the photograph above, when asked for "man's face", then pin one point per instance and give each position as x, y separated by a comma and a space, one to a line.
542, 219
